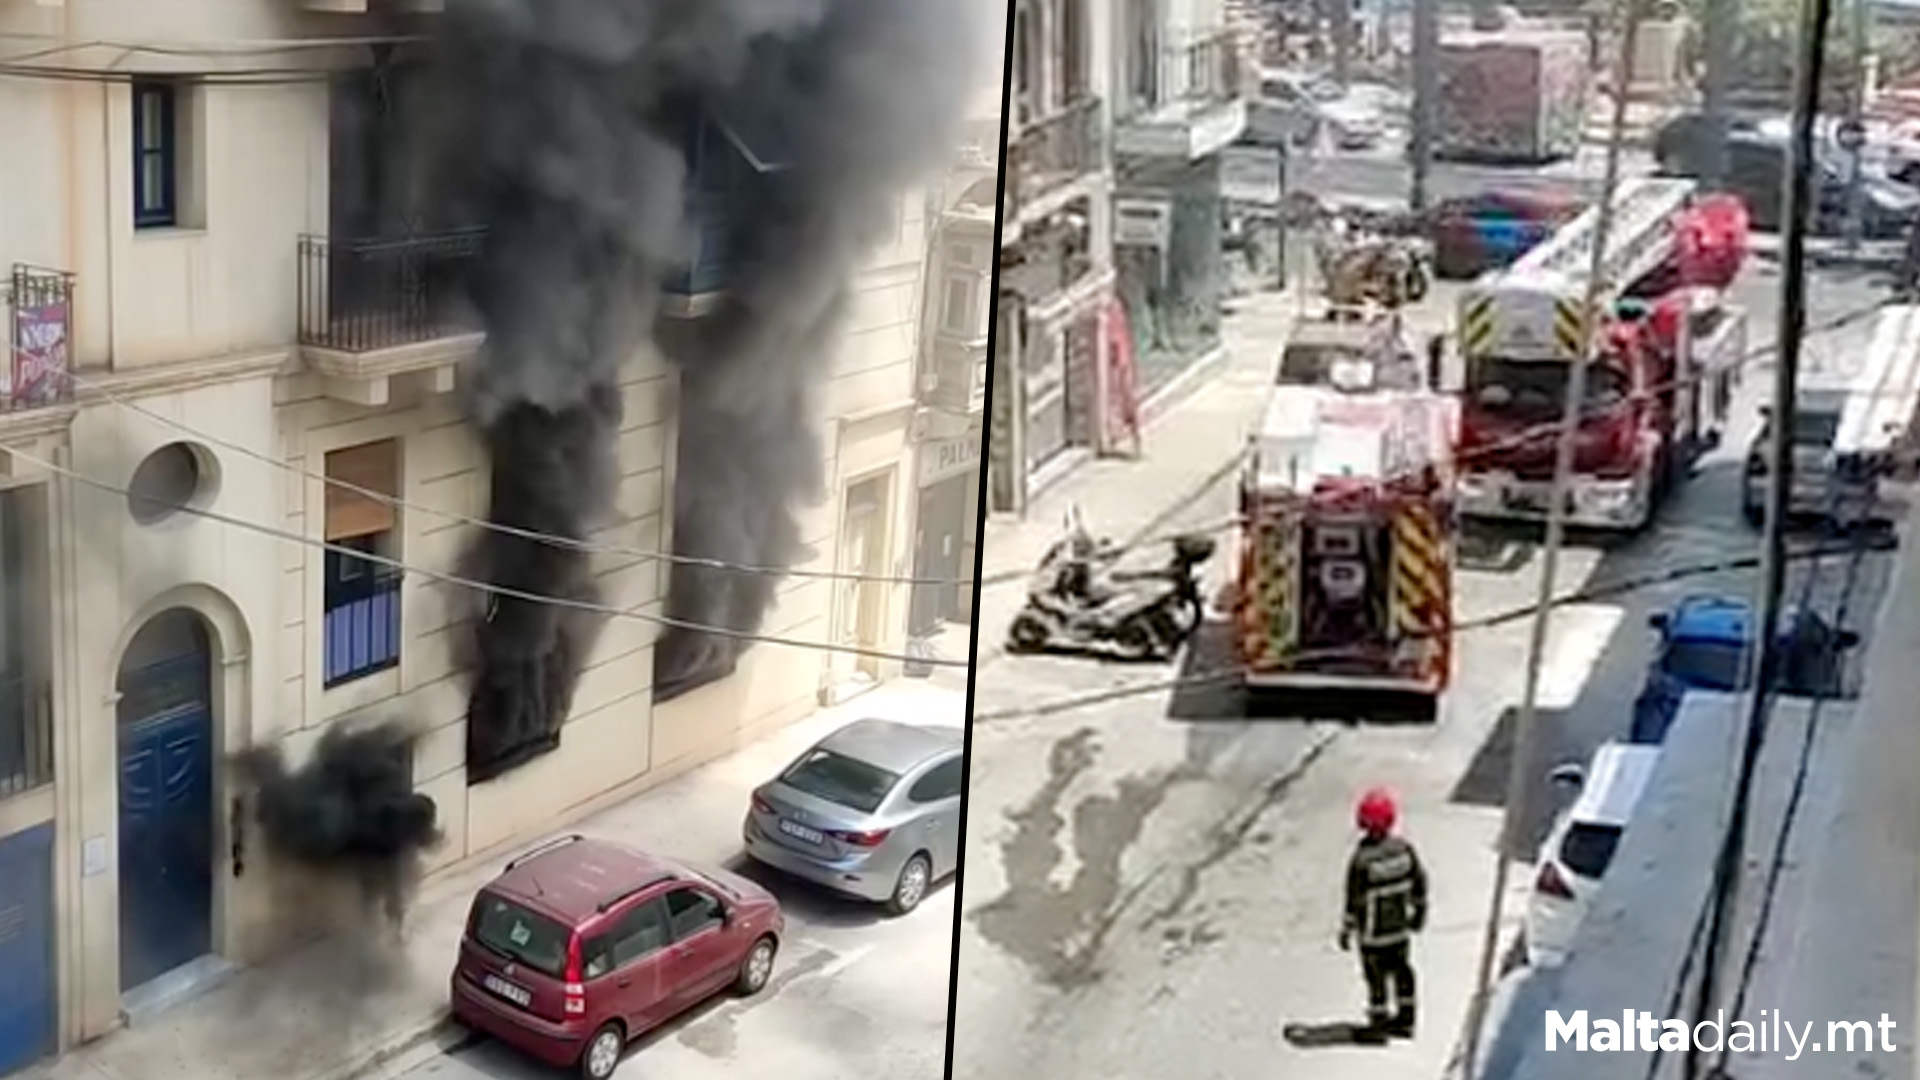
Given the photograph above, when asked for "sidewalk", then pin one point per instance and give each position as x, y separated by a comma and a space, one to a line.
323, 1014
1189, 448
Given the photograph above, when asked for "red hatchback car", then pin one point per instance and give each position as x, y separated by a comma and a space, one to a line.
582, 945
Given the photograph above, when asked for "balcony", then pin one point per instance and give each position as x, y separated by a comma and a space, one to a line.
39, 307
1193, 104
376, 309
1047, 157
955, 378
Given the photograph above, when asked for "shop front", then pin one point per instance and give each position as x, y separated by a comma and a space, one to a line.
948, 505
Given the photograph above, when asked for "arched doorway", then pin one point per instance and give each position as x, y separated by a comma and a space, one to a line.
166, 742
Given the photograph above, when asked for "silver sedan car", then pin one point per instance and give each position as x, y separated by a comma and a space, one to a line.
871, 811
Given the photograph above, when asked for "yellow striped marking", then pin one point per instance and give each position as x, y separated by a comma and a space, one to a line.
1420, 587
1476, 325
1569, 319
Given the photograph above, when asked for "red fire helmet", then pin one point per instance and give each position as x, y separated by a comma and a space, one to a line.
1377, 811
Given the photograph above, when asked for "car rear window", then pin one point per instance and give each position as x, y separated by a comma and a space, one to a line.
841, 780
1709, 665
525, 936
1588, 848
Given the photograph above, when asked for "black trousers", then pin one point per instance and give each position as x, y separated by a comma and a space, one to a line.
1389, 974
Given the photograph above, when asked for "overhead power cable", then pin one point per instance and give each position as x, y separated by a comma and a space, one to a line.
553, 539
484, 588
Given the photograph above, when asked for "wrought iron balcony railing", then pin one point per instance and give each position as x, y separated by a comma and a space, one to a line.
1055, 151
1202, 73
39, 305
363, 295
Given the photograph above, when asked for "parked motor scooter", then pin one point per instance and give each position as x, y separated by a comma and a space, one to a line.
1077, 599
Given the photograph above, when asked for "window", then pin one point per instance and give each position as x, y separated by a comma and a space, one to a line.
521, 935
1588, 848
1710, 665
361, 594
156, 191
691, 911
26, 721
956, 315
840, 780
941, 782
641, 934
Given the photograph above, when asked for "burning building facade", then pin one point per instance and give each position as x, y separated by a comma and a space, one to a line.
219, 304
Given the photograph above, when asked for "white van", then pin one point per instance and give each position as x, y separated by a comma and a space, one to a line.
1577, 852
1853, 424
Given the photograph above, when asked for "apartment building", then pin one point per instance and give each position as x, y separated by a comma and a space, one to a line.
209, 314
1056, 312
1180, 99
948, 428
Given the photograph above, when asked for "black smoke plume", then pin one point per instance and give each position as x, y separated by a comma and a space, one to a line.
565, 128
350, 810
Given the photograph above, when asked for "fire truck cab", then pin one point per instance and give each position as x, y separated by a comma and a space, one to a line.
1667, 349
1346, 563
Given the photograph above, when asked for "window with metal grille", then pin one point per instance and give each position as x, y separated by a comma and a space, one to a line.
360, 586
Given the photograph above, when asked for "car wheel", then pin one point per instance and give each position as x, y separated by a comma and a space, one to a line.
757, 968
603, 1051
911, 887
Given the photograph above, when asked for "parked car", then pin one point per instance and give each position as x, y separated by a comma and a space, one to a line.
1298, 109
582, 945
871, 811
1581, 845
1757, 151
1703, 645
1475, 233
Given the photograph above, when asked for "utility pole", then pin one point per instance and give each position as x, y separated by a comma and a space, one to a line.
1801, 201
1721, 25
1426, 104
1566, 441
1854, 134
1340, 25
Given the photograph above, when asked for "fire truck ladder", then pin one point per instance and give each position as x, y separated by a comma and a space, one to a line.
1878, 416
1641, 239
1555, 272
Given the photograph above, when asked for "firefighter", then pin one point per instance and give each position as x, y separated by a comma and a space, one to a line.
1386, 905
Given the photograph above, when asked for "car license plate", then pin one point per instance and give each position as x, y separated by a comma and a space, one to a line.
811, 836
505, 989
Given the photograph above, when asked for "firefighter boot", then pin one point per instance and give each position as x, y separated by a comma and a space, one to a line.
1401, 1026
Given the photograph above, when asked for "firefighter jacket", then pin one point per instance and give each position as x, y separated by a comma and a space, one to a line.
1386, 892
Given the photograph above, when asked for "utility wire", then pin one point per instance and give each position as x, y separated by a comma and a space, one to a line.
1793, 316
1670, 575
1526, 722
553, 539
484, 588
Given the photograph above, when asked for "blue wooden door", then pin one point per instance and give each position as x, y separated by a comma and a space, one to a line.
166, 816
27, 1001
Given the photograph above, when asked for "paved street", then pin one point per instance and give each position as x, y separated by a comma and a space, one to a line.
854, 993
1153, 882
